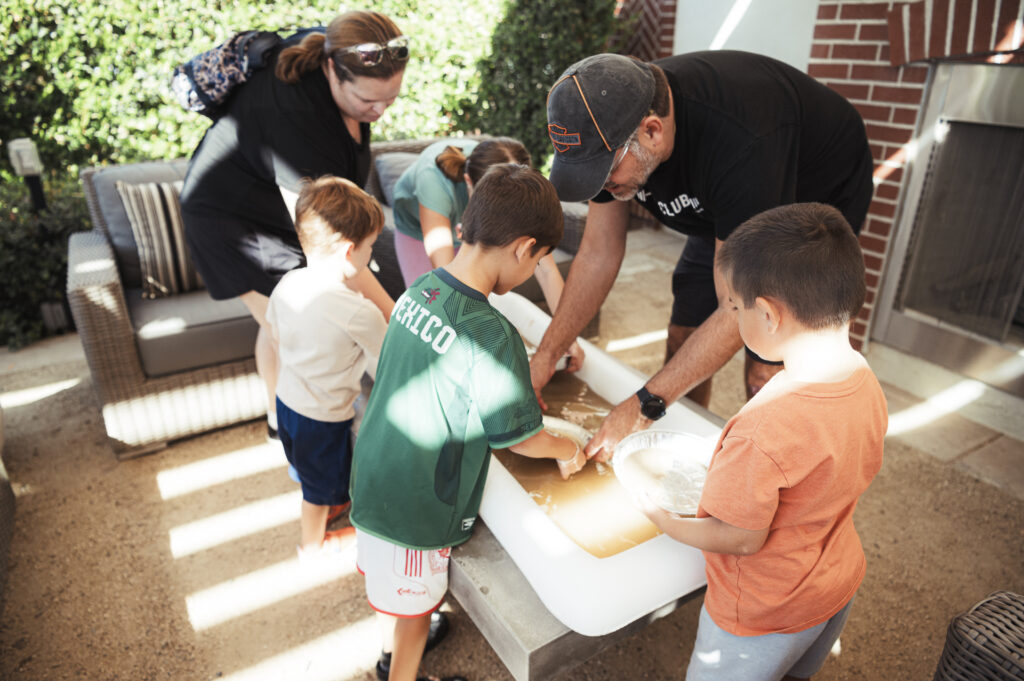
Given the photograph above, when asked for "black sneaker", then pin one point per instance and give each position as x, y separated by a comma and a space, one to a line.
439, 626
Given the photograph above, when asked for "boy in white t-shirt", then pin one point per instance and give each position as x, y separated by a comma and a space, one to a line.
328, 336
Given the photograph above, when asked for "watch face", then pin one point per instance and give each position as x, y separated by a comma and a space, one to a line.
653, 408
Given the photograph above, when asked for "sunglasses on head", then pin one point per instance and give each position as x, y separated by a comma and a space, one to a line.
371, 54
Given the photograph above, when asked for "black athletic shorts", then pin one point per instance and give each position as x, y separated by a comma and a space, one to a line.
693, 283
693, 287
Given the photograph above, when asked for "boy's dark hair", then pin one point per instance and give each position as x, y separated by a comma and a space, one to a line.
512, 201
804, 255
331, 208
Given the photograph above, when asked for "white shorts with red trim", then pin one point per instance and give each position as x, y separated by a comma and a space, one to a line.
399, 581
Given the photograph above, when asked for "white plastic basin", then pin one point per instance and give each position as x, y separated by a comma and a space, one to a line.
592, 596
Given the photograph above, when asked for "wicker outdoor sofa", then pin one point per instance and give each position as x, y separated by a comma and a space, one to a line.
167, 365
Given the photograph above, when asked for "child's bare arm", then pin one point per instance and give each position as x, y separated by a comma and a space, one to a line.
706, 534
544, 445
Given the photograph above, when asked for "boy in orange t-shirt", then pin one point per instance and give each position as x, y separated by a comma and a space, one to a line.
775, 520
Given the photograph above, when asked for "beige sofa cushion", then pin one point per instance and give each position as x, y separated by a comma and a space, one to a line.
189, 330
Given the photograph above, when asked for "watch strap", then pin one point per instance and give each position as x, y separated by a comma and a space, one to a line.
643, 394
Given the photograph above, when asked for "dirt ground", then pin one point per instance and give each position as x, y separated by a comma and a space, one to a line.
98, 590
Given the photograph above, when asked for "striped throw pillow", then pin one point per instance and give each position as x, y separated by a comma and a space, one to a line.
154, 212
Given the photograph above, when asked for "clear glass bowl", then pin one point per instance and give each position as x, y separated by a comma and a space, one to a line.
665, 465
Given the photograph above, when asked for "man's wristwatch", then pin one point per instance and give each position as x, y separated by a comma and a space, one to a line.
651, 406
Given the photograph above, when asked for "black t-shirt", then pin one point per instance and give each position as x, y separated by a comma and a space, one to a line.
272, 135
752, 133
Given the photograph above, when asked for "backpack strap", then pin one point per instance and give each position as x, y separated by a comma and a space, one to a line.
206, 81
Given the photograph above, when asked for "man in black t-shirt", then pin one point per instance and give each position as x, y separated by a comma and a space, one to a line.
703, 141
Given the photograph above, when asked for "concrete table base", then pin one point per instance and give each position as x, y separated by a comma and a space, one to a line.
504, 607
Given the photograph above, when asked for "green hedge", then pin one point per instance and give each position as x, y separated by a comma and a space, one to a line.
34, 254
532, 45
89, 83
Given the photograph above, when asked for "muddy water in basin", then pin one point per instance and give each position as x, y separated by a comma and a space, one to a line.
591, 508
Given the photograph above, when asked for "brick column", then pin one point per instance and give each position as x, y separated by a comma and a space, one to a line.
651, 36
850, 54
653, 33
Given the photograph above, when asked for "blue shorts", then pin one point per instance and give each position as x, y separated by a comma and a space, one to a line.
321, 452
719, 655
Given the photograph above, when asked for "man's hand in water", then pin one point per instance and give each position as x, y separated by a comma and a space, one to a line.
542, 368
624, 419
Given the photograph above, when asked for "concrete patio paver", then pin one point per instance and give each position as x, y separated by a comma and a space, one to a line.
96, 589
999, 462
947, 437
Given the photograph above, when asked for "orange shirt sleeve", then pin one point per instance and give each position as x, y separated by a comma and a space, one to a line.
742, 486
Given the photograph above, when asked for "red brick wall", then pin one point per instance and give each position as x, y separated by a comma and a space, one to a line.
650, 35
876, 54
652, 28
850, 54
944, 29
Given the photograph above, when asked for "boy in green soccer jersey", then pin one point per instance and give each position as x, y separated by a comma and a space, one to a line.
453, 383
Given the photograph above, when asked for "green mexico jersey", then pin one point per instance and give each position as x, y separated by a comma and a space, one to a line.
452, 383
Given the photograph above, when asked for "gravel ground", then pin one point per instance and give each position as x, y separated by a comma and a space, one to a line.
97, 590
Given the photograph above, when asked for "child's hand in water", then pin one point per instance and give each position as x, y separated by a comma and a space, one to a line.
575, 355
569, 466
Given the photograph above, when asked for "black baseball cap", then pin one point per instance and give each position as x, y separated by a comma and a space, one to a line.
593, 108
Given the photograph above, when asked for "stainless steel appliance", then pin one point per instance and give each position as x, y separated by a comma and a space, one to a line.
953, 285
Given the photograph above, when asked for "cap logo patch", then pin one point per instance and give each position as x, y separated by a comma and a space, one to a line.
562, 138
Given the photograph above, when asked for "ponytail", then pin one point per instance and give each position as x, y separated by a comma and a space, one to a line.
452, 163
493, 151
295, 62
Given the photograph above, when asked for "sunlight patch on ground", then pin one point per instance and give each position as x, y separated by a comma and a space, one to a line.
935, 407
1006, 371
261, 588
216, 470
347, 653
637, 341
235, 524
21, 398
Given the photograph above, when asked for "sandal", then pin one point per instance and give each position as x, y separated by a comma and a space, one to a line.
337, 512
